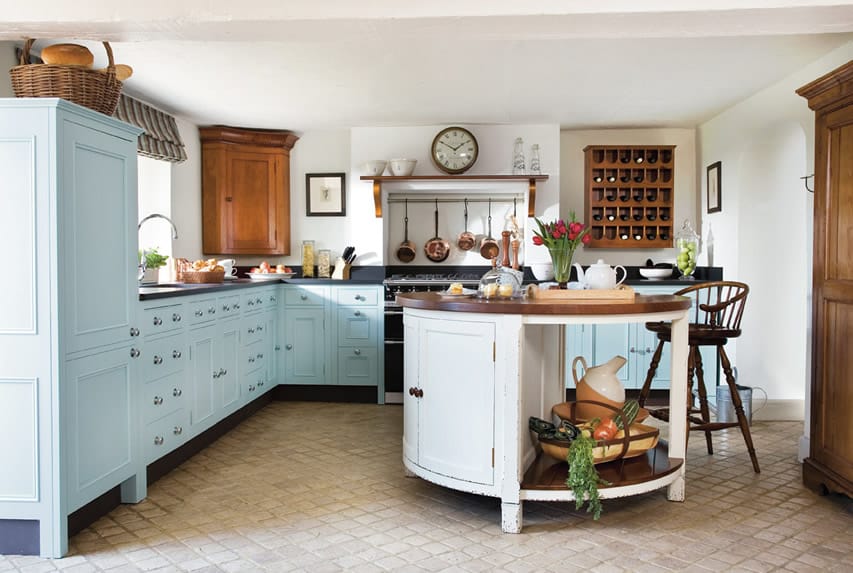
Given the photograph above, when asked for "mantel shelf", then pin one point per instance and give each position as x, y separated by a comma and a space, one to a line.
378, 180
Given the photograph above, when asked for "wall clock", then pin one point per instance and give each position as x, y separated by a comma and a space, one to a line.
454, 150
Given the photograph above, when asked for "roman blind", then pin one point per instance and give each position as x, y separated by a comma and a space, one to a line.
161, 139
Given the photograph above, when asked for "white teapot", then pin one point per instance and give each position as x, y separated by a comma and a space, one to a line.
600, 275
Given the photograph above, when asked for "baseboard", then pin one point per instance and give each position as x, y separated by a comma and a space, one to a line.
330, 393
778, 410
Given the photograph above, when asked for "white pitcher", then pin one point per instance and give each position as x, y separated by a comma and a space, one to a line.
600, 275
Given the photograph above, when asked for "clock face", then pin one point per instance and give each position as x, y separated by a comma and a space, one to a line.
454, 150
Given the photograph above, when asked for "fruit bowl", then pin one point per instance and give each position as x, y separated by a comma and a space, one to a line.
653, 273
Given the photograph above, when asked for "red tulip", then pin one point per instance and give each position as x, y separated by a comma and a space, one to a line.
537, 240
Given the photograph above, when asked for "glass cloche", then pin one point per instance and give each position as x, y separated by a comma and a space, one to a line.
500, 283
687, 243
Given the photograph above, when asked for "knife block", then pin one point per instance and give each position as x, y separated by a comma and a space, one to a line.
342, 269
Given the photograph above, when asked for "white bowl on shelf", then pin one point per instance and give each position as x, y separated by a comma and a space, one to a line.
542, 271
656, 273
402, 167
374, 168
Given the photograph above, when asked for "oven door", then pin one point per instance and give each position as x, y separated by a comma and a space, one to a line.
394, 355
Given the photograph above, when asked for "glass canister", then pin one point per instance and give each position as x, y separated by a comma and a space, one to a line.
307, 258
687, 243
500, 283
324, 263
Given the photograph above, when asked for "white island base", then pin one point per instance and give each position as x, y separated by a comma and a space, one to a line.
475, 371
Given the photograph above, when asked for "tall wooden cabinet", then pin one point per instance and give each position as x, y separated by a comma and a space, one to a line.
245, 190
829, 466
629, 195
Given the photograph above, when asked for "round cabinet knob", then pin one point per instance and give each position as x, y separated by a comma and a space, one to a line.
304, 297
648, 350
289, 346
158, 400
199, 312
260, 328
358, 313
211, 310
223, 372
359, 297
176, 317
251, 331
420, 393
260, 382
216, 375
411, 391
260, 356
134, 353
177, 392
157, 321
176, 354
158, 360
158, 440
134, 331
236, 306
250, 303
251, 359
226, 308
272, 298
357, 351
277, 347
178, 430
259, 301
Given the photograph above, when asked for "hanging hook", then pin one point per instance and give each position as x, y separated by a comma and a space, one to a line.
514, 202
806, 182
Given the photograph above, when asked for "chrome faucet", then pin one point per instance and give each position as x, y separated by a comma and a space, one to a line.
142, 265
159, 216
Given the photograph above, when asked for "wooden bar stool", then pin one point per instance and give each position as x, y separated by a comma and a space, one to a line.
716, 315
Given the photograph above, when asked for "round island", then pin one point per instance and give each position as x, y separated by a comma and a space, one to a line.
475, 370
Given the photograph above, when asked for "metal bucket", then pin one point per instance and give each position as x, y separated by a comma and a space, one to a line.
725, 407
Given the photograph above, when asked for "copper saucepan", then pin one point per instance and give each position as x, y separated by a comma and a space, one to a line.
437, 249
467, 239
406, 250
489, 248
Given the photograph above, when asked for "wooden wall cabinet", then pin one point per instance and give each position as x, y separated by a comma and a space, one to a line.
629, 195
245, 190
829, 466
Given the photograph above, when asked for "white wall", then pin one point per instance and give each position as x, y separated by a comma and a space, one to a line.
572, 188
763, 235
496, 143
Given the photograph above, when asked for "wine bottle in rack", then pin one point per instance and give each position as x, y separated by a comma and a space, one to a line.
651, 233
651, 213
624, 195
638, 175
639, 156
666, 155
638, 195
624, 214
652, 156
610, 194
638, 213
625, 156
596, 214
625, 175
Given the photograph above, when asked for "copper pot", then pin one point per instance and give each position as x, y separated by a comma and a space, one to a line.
489, 248
467, 239
437, 249
406, 250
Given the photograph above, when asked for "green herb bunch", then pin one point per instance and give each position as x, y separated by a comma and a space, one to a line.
153, 259
583, 478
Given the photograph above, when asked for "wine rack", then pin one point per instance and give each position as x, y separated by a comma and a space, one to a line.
629, 195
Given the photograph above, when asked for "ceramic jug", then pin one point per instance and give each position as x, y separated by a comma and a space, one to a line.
600, 384
600, 275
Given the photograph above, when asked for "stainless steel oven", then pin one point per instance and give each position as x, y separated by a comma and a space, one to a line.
394, 339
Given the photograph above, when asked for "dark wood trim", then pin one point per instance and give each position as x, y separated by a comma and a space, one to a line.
19, 537
94, 510
305, 393
243, 136
823, 480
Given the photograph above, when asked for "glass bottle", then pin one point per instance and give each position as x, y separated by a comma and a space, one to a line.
307, 258
535, 167
518, 165
324, 263
687, 243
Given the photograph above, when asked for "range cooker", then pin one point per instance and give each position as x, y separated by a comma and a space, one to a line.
415, 280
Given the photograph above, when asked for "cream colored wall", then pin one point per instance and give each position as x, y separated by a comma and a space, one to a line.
763, 235
572, 143
7, 60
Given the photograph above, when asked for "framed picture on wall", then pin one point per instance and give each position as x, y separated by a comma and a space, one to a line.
714, 177
326, 194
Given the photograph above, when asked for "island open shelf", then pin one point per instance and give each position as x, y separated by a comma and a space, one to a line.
475, 371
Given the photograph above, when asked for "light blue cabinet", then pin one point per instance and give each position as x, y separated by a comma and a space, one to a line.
69, 339
305, 346
214, 372
359, 332
598, 343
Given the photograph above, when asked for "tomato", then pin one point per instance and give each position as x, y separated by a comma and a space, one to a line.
605, 429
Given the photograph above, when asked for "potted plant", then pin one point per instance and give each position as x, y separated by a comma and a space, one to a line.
152, 262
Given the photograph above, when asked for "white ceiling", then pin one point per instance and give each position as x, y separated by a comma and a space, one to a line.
317, 64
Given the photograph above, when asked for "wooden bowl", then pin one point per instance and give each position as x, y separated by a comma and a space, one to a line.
569, 411
201, 277
638, 440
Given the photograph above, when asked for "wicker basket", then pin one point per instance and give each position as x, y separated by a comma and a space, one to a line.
199, 277
98, 90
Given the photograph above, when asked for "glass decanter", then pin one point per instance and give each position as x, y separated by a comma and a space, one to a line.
687, 243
